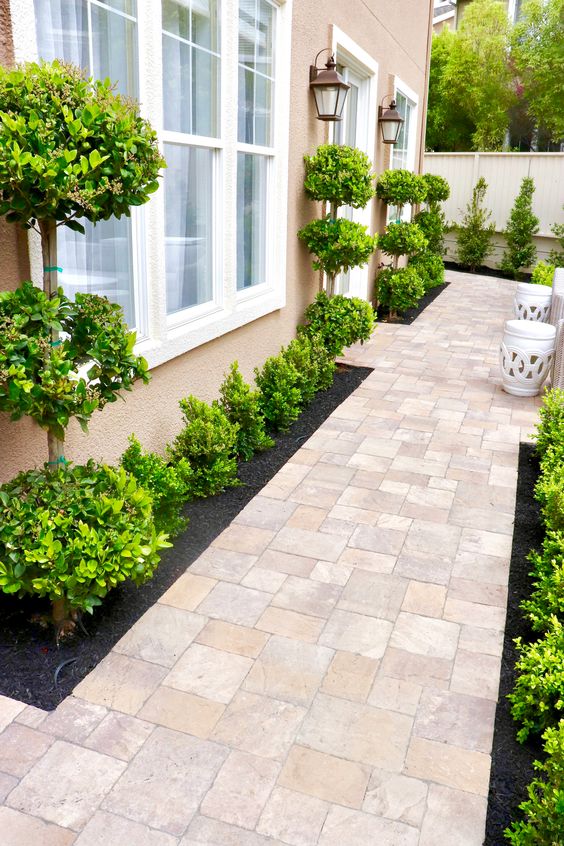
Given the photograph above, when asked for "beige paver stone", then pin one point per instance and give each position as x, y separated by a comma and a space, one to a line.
425, 636
225, 564
295, 818
302, 542
357, 732
418, 669
457, 719
182, 711
291, 624
481, 568
284, 562
325, 776
474, 672
318, 495
331, 573
396, 797
7, 784
31, 716
356, 633
450, 765
350, 676
259, 724
307, 596
474, 613
265, 513
20, 748
450, 811
266, 580
204, 830
486, 641
395, 695
210, 673
164, 784
345, 826
486, 543
119, 735
111, 830
188, 591
22, 830
289, 669
358, 516
9, 710
235, 604
484, 593
243, 538
241, 789
161, 635
376, 539
83, 778
427, 513
121, 683
384, 447
373, 594
424, 567
394, 521
231, 638
372, 500
307, 517
73, 719
424, 598
362, 559
425, 536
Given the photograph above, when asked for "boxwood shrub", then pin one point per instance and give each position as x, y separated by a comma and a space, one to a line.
338, 321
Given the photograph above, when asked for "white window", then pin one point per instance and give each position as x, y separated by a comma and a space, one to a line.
213, 77
100, 36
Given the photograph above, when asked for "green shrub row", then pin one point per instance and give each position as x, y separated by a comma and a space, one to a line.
537, 701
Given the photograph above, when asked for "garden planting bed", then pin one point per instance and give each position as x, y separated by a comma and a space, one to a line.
512, 768
411, 314
34, 670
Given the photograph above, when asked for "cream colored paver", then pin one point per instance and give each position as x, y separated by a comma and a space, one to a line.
345, 826
9, 710
250, 540
264, 513
396, 797
285, 562
356, 633
241, 789
7, 784
111, 830
450, 811
205, 830
325, 776
119, 735
182, 711
295, 818
450, 765
418, 669
188, 591
161, 635
287, 623
235, 604
267, 580
350, 676
473, 671
231, 638
373, 594
424, 598
289, 669
309, 544
20, 748
332, 573
224, 564
208, 672
22, 830
458, 719
425, 636
317, 599
395, 695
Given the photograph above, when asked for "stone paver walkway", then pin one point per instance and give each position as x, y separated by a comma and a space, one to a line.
327, 671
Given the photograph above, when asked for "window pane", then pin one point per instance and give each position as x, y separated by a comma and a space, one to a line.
189, 231
246, 132
256, 68
263, 122
177, 89
251, 220
176, 17
205, 24
265, 38
247, 28
100, 262
205, 93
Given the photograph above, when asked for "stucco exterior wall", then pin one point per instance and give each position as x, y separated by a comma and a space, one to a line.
397, 38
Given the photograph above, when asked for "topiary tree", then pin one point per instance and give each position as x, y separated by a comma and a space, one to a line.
521, 226
70, 148
432, 219
399, 188
475, 233
400, 239
556, 257
339, 176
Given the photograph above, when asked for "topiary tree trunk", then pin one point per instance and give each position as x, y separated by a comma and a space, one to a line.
48, 232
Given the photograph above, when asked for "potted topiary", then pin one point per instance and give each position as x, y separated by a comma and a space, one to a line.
338, 176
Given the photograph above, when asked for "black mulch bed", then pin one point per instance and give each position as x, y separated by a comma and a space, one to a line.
409, 316
33, 669
512, 768
486, 271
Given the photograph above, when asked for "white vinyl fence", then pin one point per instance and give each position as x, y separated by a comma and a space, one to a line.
503, 172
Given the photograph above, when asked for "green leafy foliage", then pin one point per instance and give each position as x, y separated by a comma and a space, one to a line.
538, 696
399, 289
430, 268
450, 125
521, 226
397, 187
280, 396
314, 364
547, 599
339, 175
208, 443
168, 484
537, 53
71, 147
556, 257
338, 244
550, 430
242, 407
542, 274
402, 239
438, 189
549, 490
339, 321
75, 533
544, 807
433, 226
475, 233
42, 381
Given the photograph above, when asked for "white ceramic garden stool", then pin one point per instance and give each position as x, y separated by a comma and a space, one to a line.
532, 302
525, 356
558, 280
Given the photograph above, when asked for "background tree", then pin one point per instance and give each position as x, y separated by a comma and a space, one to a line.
538, 53
70, 148
450, 126
521, 227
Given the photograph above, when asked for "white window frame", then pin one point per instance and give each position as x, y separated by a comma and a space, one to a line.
401, 88
168, 336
